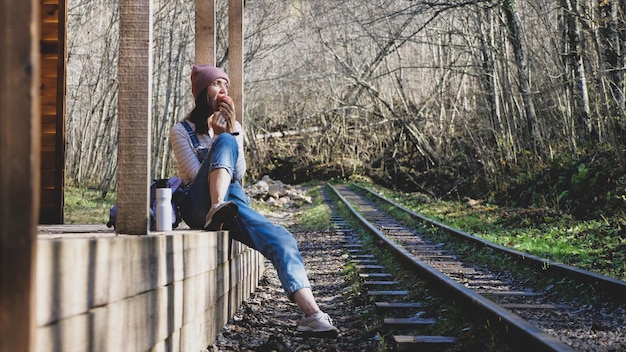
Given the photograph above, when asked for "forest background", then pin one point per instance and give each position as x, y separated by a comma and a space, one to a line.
517, 102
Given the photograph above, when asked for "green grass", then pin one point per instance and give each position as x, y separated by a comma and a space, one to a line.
599, 246
85, 205
592, 245
315, 217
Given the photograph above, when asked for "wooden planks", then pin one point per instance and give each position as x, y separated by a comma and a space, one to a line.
106, 292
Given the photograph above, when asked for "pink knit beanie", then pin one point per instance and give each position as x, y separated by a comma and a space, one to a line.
203, 75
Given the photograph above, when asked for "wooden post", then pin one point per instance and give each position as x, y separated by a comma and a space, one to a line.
235, 54
205, 32
134, 106
19, 174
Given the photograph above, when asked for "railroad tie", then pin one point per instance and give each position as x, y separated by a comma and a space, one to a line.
371, 283
424, 251
491, 282
369, 268
522, 306
390, 306
422, 343
379, 276
343, 230
508, 293
363, 256
346, 241
427, 248
408, 322
403, 233
394, 228
364, 261
436, 256
390, 293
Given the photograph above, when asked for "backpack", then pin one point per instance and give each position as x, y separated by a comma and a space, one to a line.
175, 184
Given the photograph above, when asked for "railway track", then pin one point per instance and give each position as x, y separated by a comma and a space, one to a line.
523, 315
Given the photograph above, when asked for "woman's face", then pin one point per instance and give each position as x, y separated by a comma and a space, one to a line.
215, 90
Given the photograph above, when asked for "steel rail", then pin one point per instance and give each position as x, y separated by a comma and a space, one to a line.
526, 335
614, 288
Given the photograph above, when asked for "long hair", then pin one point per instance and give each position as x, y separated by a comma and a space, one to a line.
200, 113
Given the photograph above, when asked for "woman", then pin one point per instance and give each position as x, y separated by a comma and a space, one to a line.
216, 199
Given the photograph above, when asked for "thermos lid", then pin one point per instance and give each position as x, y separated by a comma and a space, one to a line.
163, 183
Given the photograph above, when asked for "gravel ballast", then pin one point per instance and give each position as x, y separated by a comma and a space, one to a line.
267, 321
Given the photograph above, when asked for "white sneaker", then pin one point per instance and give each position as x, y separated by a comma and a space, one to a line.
319, 324
219, 214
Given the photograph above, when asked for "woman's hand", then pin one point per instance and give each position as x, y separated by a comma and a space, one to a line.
223, 120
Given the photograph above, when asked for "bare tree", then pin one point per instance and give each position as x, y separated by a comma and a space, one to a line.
515, 33
388, 88
613, 29
575, 64
92, 92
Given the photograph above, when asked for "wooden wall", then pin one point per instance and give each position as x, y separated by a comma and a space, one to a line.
168, 292
53, 14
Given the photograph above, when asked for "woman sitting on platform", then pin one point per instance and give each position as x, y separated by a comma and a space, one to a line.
216, 200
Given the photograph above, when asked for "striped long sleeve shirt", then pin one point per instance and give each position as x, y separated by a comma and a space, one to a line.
186, 159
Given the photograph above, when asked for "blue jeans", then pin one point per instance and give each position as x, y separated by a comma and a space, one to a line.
249, 227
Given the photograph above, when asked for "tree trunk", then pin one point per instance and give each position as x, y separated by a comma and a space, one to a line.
614, 49
488, 74
515, 34
612, 36
575, 60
